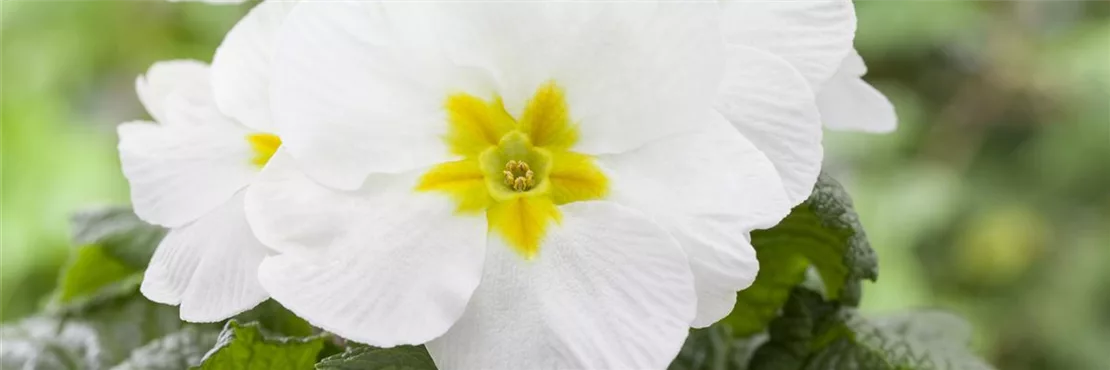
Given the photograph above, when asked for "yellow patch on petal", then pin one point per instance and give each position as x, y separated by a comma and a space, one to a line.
523, 222
546, 119
462, 180
575, 177
514, 148
475, 124
264, 147
517, 171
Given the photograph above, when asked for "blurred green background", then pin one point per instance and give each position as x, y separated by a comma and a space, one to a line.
992, 199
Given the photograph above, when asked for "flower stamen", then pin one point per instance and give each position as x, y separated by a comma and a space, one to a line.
519, 176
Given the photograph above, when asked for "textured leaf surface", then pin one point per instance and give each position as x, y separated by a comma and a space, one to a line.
276, 319
97, 318
716, 348
175, 351
89, 270
243, 346
923, 340
122, 234
396, 358
822, 233
816, 334
91, 334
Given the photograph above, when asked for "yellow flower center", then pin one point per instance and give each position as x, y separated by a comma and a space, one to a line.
264, 146
519, 176
516, 170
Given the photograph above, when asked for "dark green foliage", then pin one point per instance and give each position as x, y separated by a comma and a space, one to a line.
93, 334
113, 246
175, 351
822, 233
716, 348
121, 234
91, 269
244, 346
371, 358
275, 319
816, 334
97, 318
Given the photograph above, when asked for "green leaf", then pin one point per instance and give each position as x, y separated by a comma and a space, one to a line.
97, 316
396, 358
822, 233
243, 346
813, 333
925, 339
113, 245
716, 348
89, 270
792, 334
276, 319
122, 234
92, 333
175, 351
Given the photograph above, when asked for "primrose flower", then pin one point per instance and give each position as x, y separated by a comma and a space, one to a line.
847, 102
188, 171
536, 185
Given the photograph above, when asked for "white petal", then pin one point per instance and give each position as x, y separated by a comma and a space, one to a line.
632, 72
723, 261
609, 290
813, 35
178, 92
171, 267
354, 93
241, 66
359, 82
709, 190
293, 214
401, 272
180, 172
852, 65
847, 102
209, 267
713, 172
772, 106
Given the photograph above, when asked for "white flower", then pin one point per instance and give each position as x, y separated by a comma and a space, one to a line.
536, 185
847, 102
188, 172
844, 100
